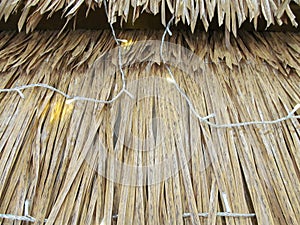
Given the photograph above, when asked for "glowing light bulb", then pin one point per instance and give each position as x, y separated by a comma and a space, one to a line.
126, 43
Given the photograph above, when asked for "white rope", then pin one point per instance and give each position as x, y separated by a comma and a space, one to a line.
29, 218
185, 215
15, 217
205, 119
68, 97
120, 64
19, 89
26, 218
81, 98
222, 214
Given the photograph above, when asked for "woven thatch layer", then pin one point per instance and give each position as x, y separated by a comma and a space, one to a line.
44, 141
232, 13
79, 50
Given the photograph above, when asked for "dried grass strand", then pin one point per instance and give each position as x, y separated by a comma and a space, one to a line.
231, 13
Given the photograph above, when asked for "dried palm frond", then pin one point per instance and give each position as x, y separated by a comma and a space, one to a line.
61, 156
232, 13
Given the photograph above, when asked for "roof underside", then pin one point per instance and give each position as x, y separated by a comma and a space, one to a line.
231, 13
54, 152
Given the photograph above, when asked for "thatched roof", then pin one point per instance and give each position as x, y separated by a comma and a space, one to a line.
232, 13
50, 150
79, 50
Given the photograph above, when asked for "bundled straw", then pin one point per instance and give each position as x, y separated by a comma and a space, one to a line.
57, 154
232, 13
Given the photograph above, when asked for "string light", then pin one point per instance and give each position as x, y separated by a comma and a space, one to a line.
117, 40
28, 218
184, 215
171, 79
71, 99
127, 44
191, 106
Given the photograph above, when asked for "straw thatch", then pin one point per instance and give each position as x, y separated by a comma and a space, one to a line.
50, 150
232, 13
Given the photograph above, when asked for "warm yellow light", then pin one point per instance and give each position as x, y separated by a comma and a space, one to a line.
67, 110
56, 111
60, 111
126, 43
